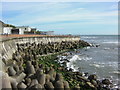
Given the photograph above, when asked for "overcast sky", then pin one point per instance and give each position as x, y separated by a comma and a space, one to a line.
64, 17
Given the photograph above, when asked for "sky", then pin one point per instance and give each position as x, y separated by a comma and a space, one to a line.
77, 18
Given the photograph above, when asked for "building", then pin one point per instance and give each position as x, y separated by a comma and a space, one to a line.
17, 31
1, 27
24, 28
7, 30
47, 32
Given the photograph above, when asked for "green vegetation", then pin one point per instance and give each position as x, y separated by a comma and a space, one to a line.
71, 77
9, 25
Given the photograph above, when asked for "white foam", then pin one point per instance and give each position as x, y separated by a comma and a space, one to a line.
115, 72
72, 61
74, 58
86, 58
88, 37
97, 65
106, 48
109, 42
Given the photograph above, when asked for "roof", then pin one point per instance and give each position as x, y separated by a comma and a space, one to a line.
1, 22
22, 26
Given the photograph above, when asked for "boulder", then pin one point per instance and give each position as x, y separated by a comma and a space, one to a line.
5, 81
47, 79
27, 81
33, 82
29, 68
66, 84
20, 77
92, 77
14, 85
36, 87
49, 86
16, 68
106, 81
11, 71
59, 85
41, 79
21, 85
58, 77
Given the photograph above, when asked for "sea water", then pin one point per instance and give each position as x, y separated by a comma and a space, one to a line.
101, 60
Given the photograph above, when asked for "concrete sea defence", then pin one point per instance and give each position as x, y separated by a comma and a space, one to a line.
32, 65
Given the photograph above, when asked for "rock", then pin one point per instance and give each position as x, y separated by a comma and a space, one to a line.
77, 87
59, 85
58, 77
21, 85
52, 79
92, 77
94, 83
5, 81
49, 86
14, 85
51, 72
20, 77
47, 79
11, 71
30, 68
54, 75
16, 68
80, 78
106, 81
33, 82
47, 70
39, 72
27, 81
41, 79
66, 84
21, 68
36, 87
89, 84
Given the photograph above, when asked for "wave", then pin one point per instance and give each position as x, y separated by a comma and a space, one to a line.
73, 60
96, 65
109, 42
115, 72
88, 37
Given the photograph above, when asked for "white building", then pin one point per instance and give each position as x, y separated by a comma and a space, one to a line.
7, 30
24, 28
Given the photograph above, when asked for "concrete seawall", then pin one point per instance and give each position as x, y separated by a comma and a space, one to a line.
8, 46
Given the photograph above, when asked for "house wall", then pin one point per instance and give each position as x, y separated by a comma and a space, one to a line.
29, 29
21, 31
7, 30
1, 27
25, 28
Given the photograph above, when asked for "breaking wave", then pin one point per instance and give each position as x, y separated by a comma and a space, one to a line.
88, 37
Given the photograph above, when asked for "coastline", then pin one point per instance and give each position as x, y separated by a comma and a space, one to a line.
35, 65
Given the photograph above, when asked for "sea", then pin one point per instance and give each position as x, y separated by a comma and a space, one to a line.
102, 60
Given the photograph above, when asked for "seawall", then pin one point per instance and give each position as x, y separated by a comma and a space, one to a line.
8, 44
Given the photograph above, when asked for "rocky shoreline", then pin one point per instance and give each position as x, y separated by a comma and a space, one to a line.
36, 66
